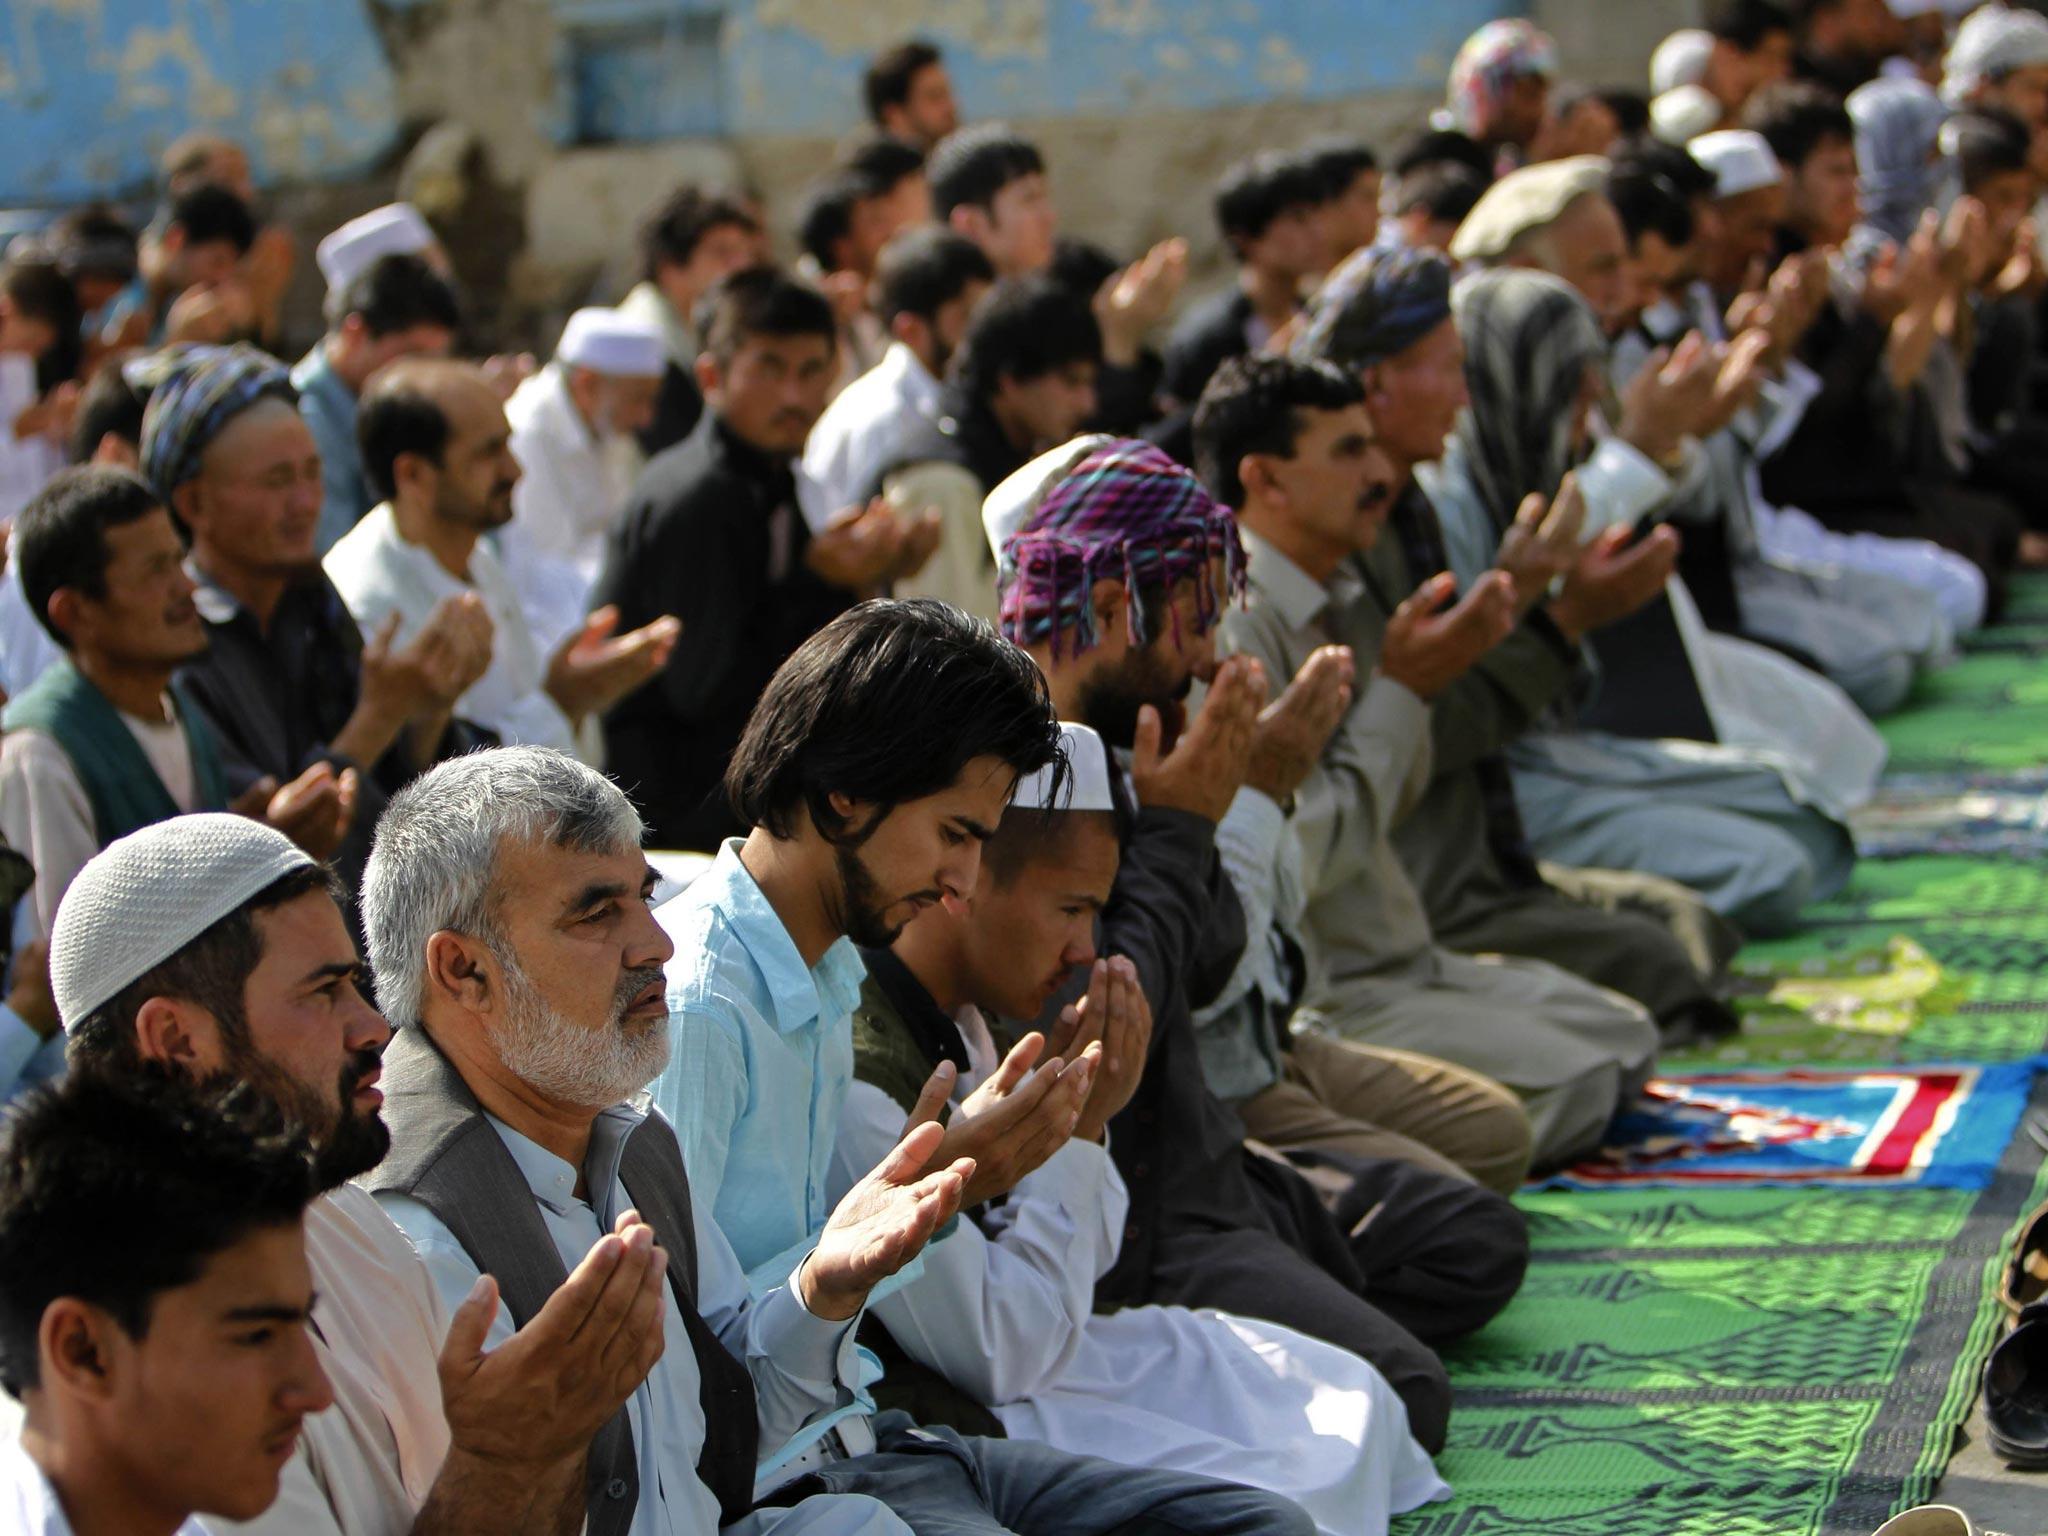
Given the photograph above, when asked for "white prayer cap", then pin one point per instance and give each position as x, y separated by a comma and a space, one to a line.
1989, 45
1525, 200
1681, 59
1741, 161
1087, 785
144, 897
1906, 10
1682, 115
350, 251
612, 342
1010, 504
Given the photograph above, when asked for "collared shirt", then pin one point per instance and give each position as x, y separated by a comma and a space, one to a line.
571, 489
369, 1462
801, 1365
28, 1504
867, 431
329, 408
762, 1062
1363, 914
379, 573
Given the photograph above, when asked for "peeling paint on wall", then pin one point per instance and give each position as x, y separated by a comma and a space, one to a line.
91, 91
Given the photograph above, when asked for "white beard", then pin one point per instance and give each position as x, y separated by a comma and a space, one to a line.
574, 1065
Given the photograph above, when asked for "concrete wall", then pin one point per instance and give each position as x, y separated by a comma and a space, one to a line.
534, 132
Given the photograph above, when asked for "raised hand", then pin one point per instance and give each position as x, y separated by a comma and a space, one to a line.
1613, 578
1131, 302
1208, 764
316, 809
882, 1224
29, 993
1426, 648
860, 549
1011, 1123
594, 668
1669, 397
1744, 365
1543, 543
1290, 733
542, 1394
1114, 1018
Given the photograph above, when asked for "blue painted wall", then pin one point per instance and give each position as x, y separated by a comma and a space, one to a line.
795, 64
91, 91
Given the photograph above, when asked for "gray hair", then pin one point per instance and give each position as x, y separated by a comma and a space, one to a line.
434, 862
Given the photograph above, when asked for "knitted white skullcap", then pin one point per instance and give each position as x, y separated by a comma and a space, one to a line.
1738, 159
144, 897
1087, 786
1684, 114
1011, 503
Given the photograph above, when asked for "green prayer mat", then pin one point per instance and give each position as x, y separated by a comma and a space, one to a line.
1790, 1362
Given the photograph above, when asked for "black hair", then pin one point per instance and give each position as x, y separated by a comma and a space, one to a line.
1337, 161
1433, 146
210, 972
921, 270
826, 215
887, 704
1029, 836
1443, 189
1647, 155
761, 301
1649, 203
672, 231
60, 537
93, 241
1797, 117
109, 404
1744, 24
887, 79
1255, 192
39, 290
1631, 109
394, 293
881, 161
1254, 404
1081, 266
399, 414
971, 166
208, 213
118, 1187
1026, 328
1985, 141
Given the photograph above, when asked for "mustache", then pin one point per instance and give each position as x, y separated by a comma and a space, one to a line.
630, 986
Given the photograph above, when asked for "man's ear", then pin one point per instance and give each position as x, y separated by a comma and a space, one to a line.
972, 222
65, 609
1109, 600
179, 1034
709, 374
74, 1343
459, 968
1255, 471
186, 501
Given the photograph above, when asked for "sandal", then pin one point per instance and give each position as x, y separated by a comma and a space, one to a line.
1929, 1520
2016, 1391
2025, 1280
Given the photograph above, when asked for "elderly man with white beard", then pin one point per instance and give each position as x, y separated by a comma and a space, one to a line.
514, 1147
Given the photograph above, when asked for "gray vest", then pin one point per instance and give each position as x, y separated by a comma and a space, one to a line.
449, 1157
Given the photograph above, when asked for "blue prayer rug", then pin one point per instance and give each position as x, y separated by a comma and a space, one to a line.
1931, 1126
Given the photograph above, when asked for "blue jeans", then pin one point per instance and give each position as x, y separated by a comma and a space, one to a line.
943, 1484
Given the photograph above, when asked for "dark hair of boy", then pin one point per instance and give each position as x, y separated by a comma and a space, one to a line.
837, 715
761, 301
971, 166
1254, 404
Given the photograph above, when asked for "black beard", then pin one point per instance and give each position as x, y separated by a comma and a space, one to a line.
1111, 699
862, 902
347, 1143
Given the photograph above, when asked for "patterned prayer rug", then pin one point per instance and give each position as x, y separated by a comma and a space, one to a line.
1794, 1360
1938, 1127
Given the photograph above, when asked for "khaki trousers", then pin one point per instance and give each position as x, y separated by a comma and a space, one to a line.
1374, 1101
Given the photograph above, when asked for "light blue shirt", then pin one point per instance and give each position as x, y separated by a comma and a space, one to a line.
762, 1061
328, 407
801, 1365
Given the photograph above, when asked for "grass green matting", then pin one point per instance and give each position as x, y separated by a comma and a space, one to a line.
1786, 1362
